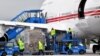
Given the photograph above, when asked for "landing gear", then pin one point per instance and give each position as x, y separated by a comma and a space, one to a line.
96, 48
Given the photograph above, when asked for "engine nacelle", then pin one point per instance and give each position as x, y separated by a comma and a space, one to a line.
1, 31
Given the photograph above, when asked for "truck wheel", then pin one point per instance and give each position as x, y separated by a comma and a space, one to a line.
4, 54
82, 52
70, 52
15, 54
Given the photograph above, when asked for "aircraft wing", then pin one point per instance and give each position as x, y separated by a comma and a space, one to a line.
24, 24
33, 25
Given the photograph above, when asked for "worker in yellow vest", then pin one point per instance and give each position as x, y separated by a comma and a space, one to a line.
53, 32
40, 47
70, 45
21, 45
70, 32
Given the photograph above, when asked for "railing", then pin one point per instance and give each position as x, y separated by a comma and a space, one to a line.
26, 14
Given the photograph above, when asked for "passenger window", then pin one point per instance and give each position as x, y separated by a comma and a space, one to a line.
97, 16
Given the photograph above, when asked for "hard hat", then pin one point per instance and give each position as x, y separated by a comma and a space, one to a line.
69, 28
52, 28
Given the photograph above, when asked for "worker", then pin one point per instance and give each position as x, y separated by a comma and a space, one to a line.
40, 47
70, 32
21, 45
70, 45
66, 47
53, 33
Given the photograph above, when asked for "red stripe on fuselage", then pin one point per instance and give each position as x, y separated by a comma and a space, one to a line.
73, 16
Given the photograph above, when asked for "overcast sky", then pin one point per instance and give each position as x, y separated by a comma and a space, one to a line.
10, 8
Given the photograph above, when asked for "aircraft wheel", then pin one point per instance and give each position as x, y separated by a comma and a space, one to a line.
94, 49
81, 52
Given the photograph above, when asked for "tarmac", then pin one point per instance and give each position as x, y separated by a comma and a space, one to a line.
88, 53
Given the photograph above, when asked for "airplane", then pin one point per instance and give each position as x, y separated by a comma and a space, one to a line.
66, 20
85, 25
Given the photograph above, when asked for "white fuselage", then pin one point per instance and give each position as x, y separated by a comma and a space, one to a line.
63, 14
81, 27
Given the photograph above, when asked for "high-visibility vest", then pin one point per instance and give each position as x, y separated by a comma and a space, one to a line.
40, 45
21, 44
70, 46
53, 32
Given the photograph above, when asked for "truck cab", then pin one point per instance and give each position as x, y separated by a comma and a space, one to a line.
9, 49
76, 47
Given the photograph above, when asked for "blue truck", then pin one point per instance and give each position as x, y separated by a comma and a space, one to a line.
9, 49
61, 47
77, 47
